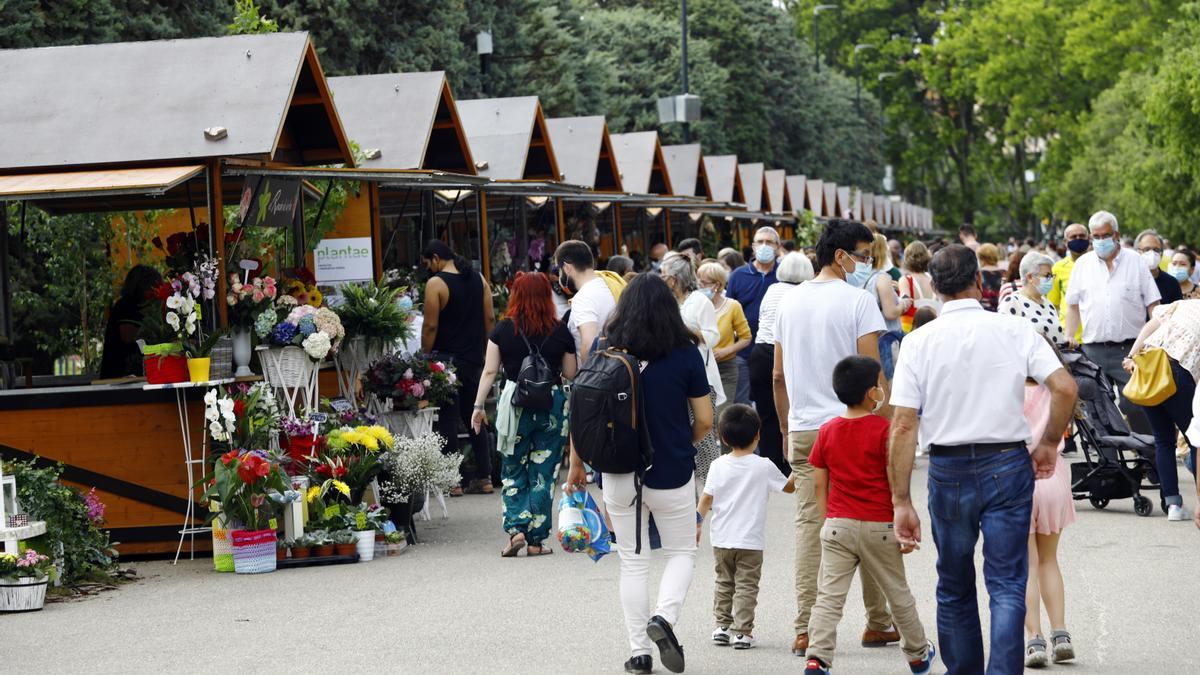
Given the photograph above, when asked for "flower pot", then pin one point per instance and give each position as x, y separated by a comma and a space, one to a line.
366, 544
344, 549
253, 551
280, 554
379, 536
322, 550
241, 352
300, 552
199, 370
23, 594
287, 366
166, 369
222, 547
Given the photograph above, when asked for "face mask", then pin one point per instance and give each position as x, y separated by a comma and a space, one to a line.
862, 272
1151, 258
1104, 247
1078, 245
1045, 285
567, 285
764, 254
1180, 273
708, 293
878, 405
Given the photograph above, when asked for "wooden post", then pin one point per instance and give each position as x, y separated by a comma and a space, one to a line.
485, 248
5, 302
558, 209
376, 229
216, 214
617, 237
668, 242
522, 261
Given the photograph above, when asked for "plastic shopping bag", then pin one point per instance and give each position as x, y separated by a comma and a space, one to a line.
581, 526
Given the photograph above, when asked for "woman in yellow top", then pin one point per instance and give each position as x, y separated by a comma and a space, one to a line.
731, 322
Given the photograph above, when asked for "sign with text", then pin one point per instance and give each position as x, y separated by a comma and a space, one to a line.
269, 201
344, 259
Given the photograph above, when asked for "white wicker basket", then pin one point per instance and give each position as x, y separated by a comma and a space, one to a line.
23, 594
409, 423
288, 367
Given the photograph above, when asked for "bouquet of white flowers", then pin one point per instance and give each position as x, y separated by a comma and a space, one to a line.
415, 465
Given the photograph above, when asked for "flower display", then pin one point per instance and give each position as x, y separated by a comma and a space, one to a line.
27, 564
290, 322
241, 415
351, 458
411, 383
248, 301
377, 313
415, 465
250, 488
317, 345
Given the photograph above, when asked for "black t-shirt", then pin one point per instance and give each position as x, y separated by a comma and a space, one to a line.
120, 359
513, 349
1168, 288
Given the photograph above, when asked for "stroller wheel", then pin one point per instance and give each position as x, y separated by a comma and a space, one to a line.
1142, 506
1098, 502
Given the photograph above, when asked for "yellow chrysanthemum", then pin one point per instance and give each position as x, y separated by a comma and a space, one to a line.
369, 442
341, 487
313, 493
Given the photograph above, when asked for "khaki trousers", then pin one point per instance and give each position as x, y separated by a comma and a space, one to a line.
847, 545
736, 595
808, 543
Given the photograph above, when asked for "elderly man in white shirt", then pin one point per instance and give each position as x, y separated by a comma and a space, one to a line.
1112, 292
965, 373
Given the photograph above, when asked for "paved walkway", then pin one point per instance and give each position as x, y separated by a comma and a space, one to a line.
452, 605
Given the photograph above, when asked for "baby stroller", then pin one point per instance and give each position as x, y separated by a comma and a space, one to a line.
1118, 463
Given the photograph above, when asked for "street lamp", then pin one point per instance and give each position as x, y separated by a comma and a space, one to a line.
883, 76
858, 75
817, 32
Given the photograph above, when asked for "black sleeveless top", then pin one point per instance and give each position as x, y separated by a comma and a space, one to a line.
460, 324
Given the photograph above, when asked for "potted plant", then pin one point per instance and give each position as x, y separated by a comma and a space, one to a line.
322, 546
351, 455
301, 442
247, 301
364, 521
409, 390
281, 548
241, 416
251, 489
299, 333
395, 543
23, 580
301, 547
375, 318
344, 542
199, 356
413, 467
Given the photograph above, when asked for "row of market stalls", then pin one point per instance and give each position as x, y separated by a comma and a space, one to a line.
223, 135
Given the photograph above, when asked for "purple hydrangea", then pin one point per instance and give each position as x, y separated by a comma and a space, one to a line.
283, 333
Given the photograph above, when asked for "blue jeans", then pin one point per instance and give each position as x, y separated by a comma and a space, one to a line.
743, 386
993, 494
1173, 413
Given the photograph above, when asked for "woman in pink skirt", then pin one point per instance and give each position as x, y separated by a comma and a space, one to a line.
1053, 510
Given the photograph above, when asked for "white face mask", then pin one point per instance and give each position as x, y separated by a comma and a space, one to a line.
1151, 258
878, 405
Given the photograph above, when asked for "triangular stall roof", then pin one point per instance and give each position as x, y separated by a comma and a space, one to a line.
685, 166
816, 197
831, 205
723, 179
584, 152
751, 175
857, 202
843, 200
640, 161
410, 118
508, 138
145, 103
794, 194
773, 186
868, 207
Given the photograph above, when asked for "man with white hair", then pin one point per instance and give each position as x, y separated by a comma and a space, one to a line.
1112, 292
748, 284
1150, 246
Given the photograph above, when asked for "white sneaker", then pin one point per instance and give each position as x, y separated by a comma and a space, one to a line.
1175, 512
743, 641
720, 637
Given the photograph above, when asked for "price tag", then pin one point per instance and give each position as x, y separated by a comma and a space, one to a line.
360, 520
333, 511
341, 405
318, 417
273, 524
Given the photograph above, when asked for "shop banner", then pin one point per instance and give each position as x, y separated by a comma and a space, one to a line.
269, 201
344, 259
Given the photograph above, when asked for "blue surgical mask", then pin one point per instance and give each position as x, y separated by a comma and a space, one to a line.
708, 293
1104, 247
862, 272
764, 254
1045, 285
1180, 273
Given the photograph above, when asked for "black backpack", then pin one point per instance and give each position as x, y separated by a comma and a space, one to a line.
535, 380
608, 417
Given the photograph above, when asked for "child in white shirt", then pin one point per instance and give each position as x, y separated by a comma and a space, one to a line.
736, 491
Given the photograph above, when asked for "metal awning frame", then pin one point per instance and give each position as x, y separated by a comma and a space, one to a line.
389, 178
157, 190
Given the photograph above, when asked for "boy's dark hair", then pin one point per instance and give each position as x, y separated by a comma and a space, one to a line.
690, 245
739, 425
575, 252
923, 316
853, 377
843, 235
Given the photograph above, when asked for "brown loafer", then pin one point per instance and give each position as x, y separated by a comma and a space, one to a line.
880, 638
481, 486
800, 645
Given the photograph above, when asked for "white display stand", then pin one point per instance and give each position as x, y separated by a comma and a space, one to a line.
292, 373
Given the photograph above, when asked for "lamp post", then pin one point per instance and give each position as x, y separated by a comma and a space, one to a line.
858, 75
883, 76
817, 33
687, 136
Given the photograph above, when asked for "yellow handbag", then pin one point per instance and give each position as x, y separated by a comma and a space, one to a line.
1151, 382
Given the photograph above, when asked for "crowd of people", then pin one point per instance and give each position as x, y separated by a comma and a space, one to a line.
823, 373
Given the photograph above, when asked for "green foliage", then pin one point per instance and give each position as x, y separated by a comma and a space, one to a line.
86, 549
371, 311
248, 19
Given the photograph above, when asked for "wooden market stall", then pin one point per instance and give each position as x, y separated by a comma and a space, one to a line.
133, 127
794, 201
583, 148
685, 166
643, 172
725, 182
751, 175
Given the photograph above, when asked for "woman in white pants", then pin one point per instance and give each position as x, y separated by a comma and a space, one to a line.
647, 323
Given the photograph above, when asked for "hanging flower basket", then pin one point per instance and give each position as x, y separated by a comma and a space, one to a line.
253, 551
23, 594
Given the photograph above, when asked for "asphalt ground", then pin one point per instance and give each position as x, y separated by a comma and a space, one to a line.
451, 604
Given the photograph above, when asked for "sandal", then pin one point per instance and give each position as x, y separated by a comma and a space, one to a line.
482, 486
1035, 652
541, 550
1063, 649
456, 491
514, 546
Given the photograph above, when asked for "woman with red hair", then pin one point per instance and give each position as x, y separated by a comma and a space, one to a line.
530, 424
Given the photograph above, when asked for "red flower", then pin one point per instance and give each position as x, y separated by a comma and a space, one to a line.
302, 274
163, 291
229, 457
339, 471
436, 367
324, 470
239, 408
253, 468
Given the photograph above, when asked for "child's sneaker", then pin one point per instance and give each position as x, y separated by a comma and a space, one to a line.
816, 666
743, 642
925, 665
720, 637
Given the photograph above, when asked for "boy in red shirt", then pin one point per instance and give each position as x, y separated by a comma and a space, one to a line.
851, 487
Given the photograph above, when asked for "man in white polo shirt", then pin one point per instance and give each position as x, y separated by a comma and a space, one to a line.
965, 373
1112, 292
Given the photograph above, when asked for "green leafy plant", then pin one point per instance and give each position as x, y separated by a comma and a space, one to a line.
28, 563
250, 487
365, 517
374, 312
344, 537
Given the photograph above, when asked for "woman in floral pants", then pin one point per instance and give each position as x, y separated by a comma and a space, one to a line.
530, 441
